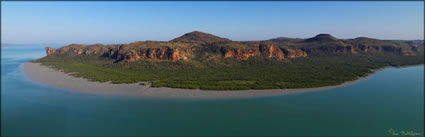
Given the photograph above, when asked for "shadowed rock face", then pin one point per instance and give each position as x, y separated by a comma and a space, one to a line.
270, 51
415, 48
184, 47
294, 53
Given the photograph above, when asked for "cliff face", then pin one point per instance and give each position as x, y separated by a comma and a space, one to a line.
119, 53
162, 53
266, 50
184, 47
50, 51
369, 45
294, 53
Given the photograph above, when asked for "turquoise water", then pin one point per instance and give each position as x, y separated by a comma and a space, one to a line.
393, 98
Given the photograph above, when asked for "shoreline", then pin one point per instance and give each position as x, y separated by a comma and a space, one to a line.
58, 79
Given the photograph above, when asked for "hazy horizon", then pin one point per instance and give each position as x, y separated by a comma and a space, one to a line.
65, 43
125, 22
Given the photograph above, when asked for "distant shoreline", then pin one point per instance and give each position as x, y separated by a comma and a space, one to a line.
57, 79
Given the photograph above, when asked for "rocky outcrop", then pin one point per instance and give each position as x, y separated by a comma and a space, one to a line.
369, 45
366, 48
270, 51
266, 50
294, 53
121, 53
237, 53
392, 49
415, 48
50, 51
76, 49
363, 48
344, 49
163, 53
214, 48
328, 49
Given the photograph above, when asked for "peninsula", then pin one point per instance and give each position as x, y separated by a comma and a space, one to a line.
199, 60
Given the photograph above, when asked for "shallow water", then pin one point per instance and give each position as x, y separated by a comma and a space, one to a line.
393, 98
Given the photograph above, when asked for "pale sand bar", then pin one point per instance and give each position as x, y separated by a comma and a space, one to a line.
55, 78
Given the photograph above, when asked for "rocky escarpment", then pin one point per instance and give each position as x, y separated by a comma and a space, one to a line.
294, 53
133, 55
121, 53
266, 50
50, 51
185, 47
125, 54
369, 45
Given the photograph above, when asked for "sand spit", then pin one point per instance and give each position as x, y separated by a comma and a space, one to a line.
55, 78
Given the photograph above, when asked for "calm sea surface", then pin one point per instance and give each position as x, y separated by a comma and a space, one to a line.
393, 98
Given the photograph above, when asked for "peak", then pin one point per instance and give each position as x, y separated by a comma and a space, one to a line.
324, 35
199, 37
322, 38
364, 38
196, 32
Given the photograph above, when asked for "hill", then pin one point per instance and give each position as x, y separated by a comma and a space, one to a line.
202, 60
199, 37
322, 38
284, 40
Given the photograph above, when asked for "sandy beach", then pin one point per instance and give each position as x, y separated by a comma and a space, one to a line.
55, 78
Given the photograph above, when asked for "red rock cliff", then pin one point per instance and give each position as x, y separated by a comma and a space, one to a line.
163, 53
50, 51
294, 53
266, 50
212, 47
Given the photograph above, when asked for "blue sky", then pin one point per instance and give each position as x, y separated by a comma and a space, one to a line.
123, 22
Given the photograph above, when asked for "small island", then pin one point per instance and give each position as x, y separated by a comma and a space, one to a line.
199, 60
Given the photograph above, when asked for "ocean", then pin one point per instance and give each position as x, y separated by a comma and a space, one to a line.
390, 101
